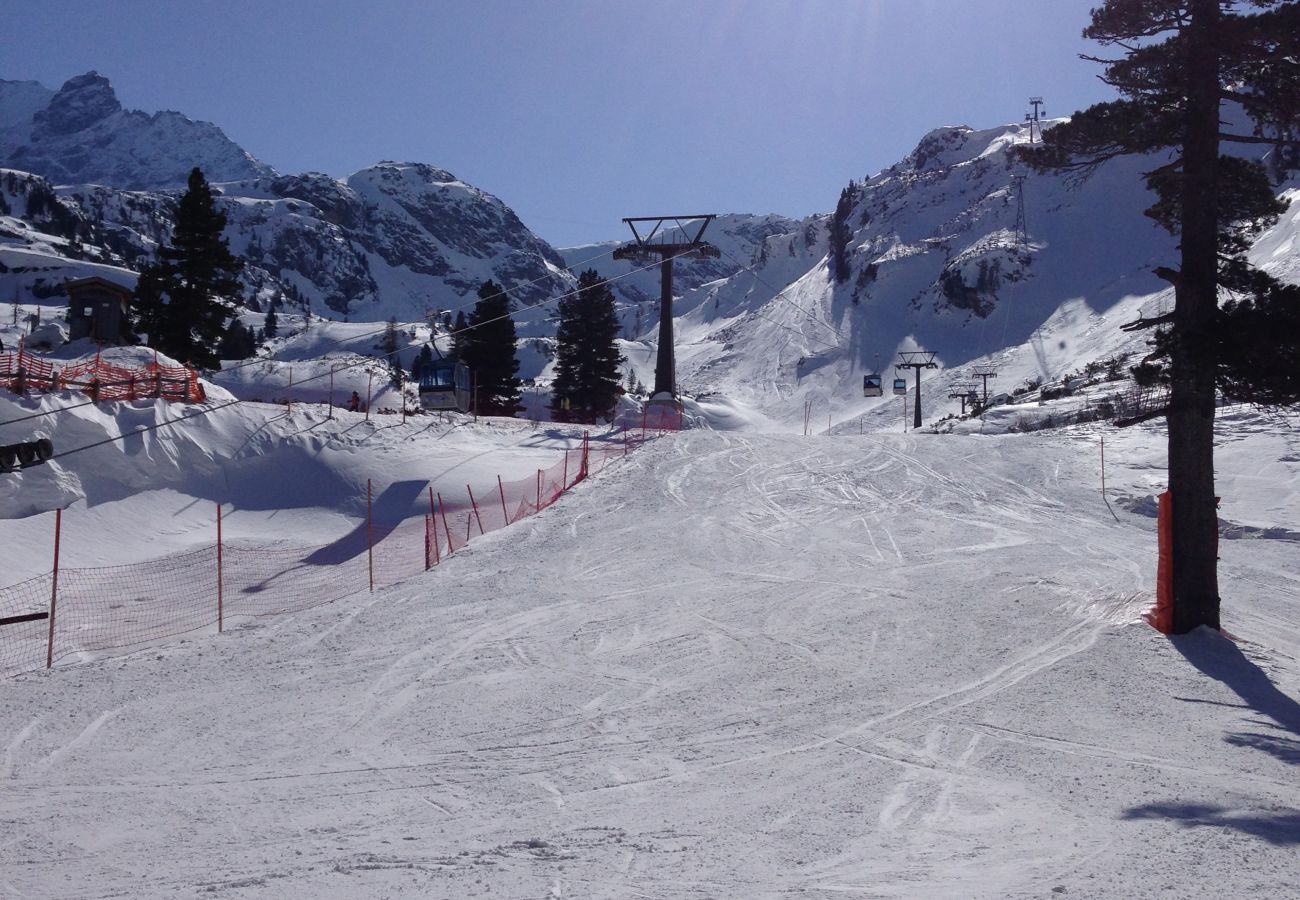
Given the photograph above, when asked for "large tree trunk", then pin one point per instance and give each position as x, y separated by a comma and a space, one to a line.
1192, 361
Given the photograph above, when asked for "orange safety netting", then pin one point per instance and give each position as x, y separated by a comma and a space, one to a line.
108, 608
24, 371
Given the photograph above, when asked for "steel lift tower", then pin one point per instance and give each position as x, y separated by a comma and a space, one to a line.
645, 249
916, 360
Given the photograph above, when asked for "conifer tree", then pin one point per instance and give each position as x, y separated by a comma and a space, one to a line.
1183, 62
271, 327
422, 359
586, 356
453, 350
841, 233
189, 294
487, 346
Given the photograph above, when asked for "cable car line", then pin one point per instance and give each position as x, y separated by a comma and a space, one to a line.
779, 295
47, 412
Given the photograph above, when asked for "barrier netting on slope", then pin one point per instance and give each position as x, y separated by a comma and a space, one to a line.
70, 611
24, 371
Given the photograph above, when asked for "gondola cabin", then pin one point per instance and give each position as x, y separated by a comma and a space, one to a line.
444, 385
900, 386
871, 385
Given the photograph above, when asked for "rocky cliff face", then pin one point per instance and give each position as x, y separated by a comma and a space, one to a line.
83, 135
396, 239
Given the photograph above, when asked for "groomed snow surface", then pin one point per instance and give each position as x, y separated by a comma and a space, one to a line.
734, 665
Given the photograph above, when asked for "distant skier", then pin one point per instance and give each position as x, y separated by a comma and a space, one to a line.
354, 404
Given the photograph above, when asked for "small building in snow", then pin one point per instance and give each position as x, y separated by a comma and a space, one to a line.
98, 309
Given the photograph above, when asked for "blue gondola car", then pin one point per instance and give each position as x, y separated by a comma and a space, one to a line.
871, 385
444, 385
900, 386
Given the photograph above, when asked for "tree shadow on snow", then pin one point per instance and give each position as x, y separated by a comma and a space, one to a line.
1281, 828
1279, 715
1277, 733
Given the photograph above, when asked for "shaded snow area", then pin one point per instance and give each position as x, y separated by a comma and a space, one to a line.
733, 665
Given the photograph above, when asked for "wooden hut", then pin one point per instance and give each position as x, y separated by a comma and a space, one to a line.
98, 309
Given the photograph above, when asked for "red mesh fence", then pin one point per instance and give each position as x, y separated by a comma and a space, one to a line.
23, 371
119, 607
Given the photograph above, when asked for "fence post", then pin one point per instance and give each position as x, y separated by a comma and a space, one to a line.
220, 587
331, 404
370, 534
370, 380
586, 455
288, 404
474, 503
539, 490
505, 512
442, 507
564, 479
427, 564
54, 588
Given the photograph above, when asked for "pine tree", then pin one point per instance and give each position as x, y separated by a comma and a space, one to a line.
271, 327
487, 346
1182, 59
188, 296
422, 359
587, 361
457, 332
841, 233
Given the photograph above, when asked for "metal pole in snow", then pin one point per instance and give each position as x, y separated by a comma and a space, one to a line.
221, 622
289, 401
370, 379
54, 588
474, 503
442, 508
539, 490
370, 534
502, 489
331, 406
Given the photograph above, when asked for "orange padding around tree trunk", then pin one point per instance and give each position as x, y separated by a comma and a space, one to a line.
1162, 617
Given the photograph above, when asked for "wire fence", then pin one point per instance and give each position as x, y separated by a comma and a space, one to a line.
24, 371
70, 612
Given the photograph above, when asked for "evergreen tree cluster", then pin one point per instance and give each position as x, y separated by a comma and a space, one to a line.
841, 232
487, 346
587, 360
238, 342
184, 300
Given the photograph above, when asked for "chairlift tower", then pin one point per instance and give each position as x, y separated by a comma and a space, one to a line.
984, 375
965, 392
916, 360
1035, 118
645, 249
1022, 230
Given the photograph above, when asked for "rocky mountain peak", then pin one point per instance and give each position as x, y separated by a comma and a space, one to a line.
79, 104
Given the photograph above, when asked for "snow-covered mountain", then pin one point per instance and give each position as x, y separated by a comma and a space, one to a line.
395, 239
957, 249
81, 134
937, 259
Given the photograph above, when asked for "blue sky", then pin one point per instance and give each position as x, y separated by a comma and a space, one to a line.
577, 112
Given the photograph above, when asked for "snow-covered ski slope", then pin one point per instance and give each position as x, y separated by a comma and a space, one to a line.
736, 665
